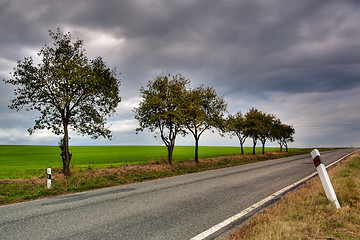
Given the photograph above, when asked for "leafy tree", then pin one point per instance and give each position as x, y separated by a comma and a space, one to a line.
204, 110
252, 122
259, 127
68, 90
277, 132
288, 135
282, 133
265, 128
161, 107
236, 125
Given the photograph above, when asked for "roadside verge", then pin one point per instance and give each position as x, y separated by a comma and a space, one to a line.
227, 226
307, 214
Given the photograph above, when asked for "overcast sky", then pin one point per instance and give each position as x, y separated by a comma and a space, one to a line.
299, 60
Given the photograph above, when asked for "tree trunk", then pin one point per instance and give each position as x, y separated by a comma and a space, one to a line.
241, 146
170, 153
254, 145
263, 141
196, 150
286, 146
66, 156
263, 148
280, 147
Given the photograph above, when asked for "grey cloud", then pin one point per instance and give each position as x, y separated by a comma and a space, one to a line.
245, 49
18, 26
243, 43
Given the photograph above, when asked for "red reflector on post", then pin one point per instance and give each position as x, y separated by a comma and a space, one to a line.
317, 161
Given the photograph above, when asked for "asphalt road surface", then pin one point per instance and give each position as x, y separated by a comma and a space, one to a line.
173, 208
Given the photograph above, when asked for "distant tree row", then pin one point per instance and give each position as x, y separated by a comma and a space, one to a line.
259, 126
170, 108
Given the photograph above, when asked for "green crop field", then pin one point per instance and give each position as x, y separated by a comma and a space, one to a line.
26, 161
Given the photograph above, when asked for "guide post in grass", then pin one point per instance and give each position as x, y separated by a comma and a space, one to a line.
324, 177
48, 171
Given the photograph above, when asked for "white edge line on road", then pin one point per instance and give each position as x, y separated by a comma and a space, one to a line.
232, 219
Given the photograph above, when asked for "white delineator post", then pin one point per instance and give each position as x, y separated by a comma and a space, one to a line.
324, 177
48, 171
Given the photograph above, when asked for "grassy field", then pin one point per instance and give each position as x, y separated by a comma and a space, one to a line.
23, 168
307, 214
28, 161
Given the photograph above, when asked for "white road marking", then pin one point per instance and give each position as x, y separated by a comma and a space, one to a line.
241, 214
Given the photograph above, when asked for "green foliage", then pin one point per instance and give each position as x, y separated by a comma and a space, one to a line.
170, 108
236, 126
263, 126
203, 110
282, 133
254, 125
66, 86
161, 107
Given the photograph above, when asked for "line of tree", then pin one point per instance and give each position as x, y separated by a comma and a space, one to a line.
169, 107
71, 91
259, 126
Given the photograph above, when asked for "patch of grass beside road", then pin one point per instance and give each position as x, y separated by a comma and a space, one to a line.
15, 190
307, 214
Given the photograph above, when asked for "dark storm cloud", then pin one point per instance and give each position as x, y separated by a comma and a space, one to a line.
291, 48
19, 24
252, 51
247, 45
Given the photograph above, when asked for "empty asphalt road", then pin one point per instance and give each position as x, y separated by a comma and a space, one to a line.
173, 208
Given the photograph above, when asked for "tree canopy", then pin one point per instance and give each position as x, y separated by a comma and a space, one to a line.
260, 126
253, 121
283, 134
161, 108
68, 90
236, 126
203, 110
265, 123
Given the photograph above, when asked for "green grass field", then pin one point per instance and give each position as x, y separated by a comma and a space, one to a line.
22, 161
96, 166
